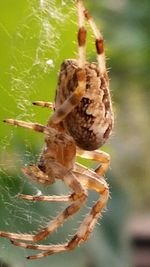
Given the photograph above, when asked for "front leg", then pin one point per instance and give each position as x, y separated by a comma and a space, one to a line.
72, 101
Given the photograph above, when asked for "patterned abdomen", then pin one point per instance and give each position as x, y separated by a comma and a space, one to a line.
90, 123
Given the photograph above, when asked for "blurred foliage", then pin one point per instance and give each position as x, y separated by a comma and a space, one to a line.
30, 36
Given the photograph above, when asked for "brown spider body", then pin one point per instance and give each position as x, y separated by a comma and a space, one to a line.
90, 122
81, 122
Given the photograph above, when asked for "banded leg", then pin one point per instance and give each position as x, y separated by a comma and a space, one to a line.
81, 36
91, 219
99, 40
48, 130
85, 228
44, 104
79, 197
96, 155
72, 101
30, 125
78, 170
46, 198
34, 173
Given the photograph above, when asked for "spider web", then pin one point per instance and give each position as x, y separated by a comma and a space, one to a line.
35, 56
36, 53
35, 59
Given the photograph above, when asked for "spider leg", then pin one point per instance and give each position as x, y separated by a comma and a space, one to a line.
30, 125
48, 130
79, 197
46, 198
99, 40
34, 173
49, 249
101, 187
81, 36
80, 169
72, 101
68, 104
97, 155
85, 228
44, 104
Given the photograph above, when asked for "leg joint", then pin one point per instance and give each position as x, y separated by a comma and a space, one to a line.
82, 197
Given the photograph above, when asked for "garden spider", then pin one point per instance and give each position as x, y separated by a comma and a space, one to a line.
82, 121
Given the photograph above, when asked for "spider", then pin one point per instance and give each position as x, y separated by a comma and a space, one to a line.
81, 123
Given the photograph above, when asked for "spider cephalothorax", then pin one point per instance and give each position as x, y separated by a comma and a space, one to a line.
81, 122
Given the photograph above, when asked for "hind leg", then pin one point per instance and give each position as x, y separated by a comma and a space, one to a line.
97, 155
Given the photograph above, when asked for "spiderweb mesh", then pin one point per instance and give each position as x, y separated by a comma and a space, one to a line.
37, 49
35, 56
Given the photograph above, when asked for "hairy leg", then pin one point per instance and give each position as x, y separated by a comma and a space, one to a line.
99, 39
30, 125
85, 228
97, 155
79, 197
81, 36
53, 198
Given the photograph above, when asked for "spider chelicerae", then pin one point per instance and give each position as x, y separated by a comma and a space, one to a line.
81, 122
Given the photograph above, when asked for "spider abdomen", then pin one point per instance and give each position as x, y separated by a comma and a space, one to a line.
90, 122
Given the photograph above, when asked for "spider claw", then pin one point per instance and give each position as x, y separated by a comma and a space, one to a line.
31, 257
19, 195
13, 241
44, 104
10, 121
40, 255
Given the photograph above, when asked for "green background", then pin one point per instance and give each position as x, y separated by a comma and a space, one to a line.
29, 36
